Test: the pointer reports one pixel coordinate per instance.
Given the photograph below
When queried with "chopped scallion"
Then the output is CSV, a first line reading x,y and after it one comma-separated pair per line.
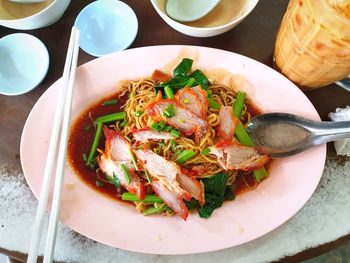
x,y
154,126
173,144
186,101
175,133
206,151
85,157
99,183
126,173
161,125
168,128
132,94
184,156
169,111
110,102
138,113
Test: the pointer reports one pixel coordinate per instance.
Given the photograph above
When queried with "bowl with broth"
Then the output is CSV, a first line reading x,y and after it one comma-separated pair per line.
x,y
225,16
31,16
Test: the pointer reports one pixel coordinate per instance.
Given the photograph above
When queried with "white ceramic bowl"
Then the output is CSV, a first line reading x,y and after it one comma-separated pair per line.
x,y
45,17
106,26
24,63
221,11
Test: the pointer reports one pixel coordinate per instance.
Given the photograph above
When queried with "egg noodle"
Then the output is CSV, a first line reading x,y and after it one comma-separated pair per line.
x,y
141,93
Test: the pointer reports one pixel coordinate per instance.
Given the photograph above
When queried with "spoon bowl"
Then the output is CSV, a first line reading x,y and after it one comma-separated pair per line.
x,y
282,134
189,10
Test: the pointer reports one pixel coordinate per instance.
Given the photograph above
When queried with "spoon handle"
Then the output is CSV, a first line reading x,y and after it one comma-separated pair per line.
x,y
330,131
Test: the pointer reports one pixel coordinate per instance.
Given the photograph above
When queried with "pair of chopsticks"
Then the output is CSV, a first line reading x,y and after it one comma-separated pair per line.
x,y
60,127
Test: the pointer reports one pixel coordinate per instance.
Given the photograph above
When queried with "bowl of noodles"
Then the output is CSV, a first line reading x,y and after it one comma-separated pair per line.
x,y
158,147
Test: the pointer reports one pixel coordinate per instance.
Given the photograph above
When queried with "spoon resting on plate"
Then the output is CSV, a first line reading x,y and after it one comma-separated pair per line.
x,y
282,134
189,10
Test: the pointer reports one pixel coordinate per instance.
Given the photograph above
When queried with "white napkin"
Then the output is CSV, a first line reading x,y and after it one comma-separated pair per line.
x,y
342,147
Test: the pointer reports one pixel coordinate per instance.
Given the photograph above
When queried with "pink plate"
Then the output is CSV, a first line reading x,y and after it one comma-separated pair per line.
x,y
291,183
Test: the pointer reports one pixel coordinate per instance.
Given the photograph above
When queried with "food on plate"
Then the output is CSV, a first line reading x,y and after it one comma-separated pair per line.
x,y
169,144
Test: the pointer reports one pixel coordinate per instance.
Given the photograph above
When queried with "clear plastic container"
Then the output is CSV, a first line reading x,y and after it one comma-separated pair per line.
x,y
313,42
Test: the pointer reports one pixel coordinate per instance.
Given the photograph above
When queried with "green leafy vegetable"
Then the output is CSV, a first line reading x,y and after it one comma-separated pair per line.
x,y
154,210
168,92
213,104
260,174
185,156
111,117
183,68
214,194
90,161
190,82
242,135
110,102
200,78
148,198
123,123
239,104
182,78
192,204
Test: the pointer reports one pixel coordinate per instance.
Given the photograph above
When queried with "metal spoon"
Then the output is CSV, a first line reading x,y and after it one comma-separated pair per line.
x,y
282,134
189,10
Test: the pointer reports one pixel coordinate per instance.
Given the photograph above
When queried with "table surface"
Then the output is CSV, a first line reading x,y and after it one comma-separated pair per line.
x,y
254,38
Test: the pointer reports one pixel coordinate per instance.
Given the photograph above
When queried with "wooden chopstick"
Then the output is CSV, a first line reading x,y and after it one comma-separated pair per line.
x,y
59,126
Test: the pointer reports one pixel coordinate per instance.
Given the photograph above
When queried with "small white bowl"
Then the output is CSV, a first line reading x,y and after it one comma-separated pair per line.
x,y
220,12
44,17
24,63
106,26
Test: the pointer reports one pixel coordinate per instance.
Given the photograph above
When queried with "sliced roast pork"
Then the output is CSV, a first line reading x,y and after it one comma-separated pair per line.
x,y
228,122
117,152
234,156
